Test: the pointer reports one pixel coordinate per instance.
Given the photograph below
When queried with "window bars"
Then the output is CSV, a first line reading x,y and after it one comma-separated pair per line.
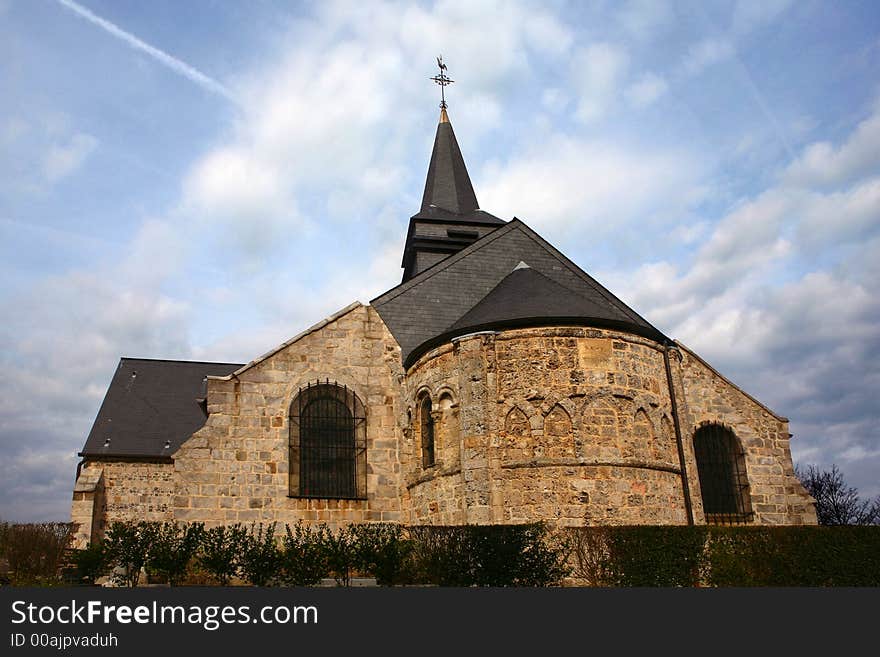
x,y
427,433
328,443
722,472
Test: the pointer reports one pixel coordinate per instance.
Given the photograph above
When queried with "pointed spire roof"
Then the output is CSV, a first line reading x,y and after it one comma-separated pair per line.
x,y
448,186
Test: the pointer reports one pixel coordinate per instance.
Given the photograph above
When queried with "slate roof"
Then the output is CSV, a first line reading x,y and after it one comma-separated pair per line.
x,y
525,295
448,185
449,218
431,307
150,403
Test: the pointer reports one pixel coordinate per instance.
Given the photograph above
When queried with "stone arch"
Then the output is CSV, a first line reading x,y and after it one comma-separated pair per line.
x,y
516,436
422,392
664,447
448,394
447,435
566,403
558,437
327,443
638,443
721,468
600,429
425,428
324,376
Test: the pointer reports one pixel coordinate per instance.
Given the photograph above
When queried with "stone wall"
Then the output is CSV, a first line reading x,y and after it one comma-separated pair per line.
x,y
776,495
111,490
235,469
571,425
567,424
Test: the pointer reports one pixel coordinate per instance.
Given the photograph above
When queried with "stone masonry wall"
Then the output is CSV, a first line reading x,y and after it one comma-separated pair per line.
x,y
107,491
777,497
571,425
235,469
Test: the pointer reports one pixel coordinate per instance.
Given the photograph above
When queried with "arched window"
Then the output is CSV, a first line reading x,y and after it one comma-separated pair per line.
x,y
722,470
328,443
426,425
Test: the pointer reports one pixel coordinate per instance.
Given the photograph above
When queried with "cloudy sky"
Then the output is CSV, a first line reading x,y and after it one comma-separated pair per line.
x,y
204,179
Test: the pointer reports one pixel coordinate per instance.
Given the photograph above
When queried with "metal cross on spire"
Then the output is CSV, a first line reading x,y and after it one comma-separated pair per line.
x,y
442,79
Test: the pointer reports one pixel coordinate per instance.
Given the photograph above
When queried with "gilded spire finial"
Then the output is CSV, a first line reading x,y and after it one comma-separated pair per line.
x,y
442,79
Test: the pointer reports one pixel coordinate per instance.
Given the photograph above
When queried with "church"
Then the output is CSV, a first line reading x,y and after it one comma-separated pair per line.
x,y
497,383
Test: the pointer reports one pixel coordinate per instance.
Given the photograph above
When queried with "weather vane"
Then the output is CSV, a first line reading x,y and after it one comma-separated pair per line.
x,y
442,79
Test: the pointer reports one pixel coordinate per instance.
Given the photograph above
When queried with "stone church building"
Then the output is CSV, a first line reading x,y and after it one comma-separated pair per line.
x,y
498,383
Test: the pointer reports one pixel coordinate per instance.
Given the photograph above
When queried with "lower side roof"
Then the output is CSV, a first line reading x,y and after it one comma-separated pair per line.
x,y
151,407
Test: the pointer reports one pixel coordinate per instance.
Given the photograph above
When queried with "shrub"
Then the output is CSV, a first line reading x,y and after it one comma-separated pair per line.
x,y
4,537
496,555
655,555
128,545
589,554
542,558
303,558
34,551
220,551
91,563
173,548
260,558
382,550
741,556
794,556
439,556
727,556
341,553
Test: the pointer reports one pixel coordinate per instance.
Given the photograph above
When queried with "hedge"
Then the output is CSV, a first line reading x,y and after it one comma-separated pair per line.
x,y
726,556
794,556
496,555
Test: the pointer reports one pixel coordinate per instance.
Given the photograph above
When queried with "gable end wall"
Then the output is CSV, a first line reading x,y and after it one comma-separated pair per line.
x,y
776,495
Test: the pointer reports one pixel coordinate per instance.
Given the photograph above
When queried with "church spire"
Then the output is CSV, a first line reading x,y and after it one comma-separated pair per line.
x,y
450,218
448,186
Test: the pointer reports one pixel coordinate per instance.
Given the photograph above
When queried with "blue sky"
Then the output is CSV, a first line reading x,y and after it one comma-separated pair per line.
x,y
203,180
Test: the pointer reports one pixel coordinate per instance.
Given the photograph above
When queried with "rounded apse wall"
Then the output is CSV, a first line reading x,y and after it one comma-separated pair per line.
x,y
564,424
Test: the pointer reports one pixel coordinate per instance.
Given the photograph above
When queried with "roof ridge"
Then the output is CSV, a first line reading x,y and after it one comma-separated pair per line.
x,y
588,278
175,360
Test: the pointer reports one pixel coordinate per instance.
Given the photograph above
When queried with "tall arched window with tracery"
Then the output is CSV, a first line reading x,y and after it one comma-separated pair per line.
x,y
426,431
721,466
328,443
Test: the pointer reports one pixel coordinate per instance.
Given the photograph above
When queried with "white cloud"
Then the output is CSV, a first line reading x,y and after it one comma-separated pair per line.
x,y
554,99
841,217
597,72
64,159
235,183
643,18
821,164
647,90
312,142
706,53
589,185
62,342
689,233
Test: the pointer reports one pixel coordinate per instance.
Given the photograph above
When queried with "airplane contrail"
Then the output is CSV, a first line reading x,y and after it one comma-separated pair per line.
x,y
179,67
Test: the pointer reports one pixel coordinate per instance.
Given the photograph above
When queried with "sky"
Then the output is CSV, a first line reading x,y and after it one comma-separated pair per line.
x,y
204,179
